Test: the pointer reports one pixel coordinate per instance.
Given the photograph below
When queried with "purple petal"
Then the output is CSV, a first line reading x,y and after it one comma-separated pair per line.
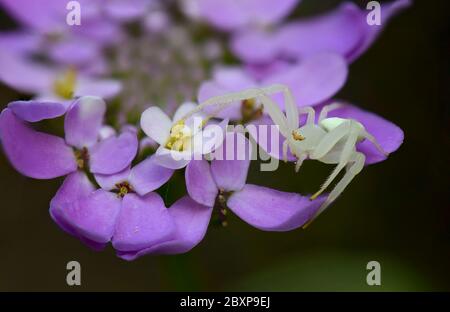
x,y
371,33
143,222
45,15
226,80
75,51
104,88
314,80
230,15
34,111
388,135
191,221
148,176
271,210
125,11
230,169
32,153
93,216
255,45
113,154
76,185
84,121
20,42
24,75
200,183
339,31
108,181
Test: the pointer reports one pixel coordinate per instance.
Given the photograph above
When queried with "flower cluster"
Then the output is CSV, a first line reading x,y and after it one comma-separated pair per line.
x,y
145,57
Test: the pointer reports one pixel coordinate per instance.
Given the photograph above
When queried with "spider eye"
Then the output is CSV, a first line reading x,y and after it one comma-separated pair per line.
x,y
297,136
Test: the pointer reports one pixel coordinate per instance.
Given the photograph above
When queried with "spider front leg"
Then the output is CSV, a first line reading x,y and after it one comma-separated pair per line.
x,y
300,160
346,154
358,160
326,109
372,139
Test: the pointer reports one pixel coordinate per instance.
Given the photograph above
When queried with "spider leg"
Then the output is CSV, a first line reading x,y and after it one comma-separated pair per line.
x,y
291,108
277,116
330,140
285,149
328,108
300,160
223,100
311,114
344,158
374,141
358,160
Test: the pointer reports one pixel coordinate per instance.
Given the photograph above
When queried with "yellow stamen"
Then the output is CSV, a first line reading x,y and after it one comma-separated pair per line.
x,y
180,137
64,86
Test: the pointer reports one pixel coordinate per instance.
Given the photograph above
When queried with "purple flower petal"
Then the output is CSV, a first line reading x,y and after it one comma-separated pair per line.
x,y
45,15
271,210
226,80
314,80
230,173
75,51
92,217
108,181
125,11
20,42
32,153
388,135
200,183
230,15
25,75
148,176
191,221
76,185
255,45
84,121
104,88
34,111
113,154
339,31
371,33
143,222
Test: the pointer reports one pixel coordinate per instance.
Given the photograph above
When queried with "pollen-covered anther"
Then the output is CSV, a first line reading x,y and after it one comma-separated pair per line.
x,y
180,137
82,158
64,86
297,136
123,189
250,110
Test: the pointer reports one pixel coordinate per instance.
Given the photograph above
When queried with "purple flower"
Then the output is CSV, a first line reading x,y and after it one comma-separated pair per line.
x,y
344,30
312,82
51,83
223,183
44,156
127,213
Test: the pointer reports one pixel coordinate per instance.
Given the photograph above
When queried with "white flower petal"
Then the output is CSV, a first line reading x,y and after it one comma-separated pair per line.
x,y
156,124
172,159
183,110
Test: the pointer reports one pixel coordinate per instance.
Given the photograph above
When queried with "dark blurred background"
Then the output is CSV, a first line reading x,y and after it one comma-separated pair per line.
x,y
396,212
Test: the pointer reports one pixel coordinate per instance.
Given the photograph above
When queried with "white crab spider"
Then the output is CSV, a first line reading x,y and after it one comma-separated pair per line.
x,y
330,140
